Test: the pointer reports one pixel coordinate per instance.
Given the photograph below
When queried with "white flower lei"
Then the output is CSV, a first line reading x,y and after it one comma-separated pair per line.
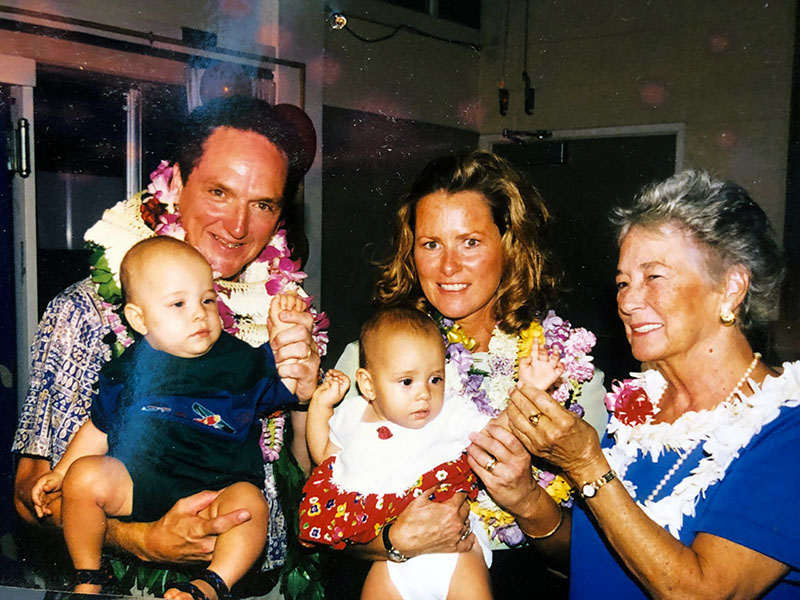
x,y
722,431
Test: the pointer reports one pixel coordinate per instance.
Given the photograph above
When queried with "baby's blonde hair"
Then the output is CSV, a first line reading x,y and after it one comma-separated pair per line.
x,y
136,259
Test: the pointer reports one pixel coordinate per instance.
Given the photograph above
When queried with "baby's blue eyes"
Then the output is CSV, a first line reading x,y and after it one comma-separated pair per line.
x,y
178,304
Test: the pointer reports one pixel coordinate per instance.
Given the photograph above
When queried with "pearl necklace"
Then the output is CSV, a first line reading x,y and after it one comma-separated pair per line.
x,y
682,458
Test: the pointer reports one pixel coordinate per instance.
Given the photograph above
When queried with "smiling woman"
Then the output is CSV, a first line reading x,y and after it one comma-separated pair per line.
x,y
469,250
459,257
653,280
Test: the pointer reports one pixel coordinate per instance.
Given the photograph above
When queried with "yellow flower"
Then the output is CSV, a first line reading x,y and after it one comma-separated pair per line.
x,y
497,516
559,489
527,337
455,335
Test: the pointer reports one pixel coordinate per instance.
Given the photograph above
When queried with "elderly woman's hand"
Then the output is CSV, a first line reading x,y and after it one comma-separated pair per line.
x,y
553,433
296,343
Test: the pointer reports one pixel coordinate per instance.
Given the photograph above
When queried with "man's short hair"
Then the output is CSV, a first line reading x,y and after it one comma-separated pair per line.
x,y
286,126
398,318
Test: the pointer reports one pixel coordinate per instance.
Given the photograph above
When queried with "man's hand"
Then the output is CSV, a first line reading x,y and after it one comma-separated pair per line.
x,y
182,535
296,343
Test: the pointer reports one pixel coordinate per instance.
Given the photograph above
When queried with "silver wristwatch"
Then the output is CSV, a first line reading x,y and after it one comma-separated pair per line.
x,y
394,554
589,489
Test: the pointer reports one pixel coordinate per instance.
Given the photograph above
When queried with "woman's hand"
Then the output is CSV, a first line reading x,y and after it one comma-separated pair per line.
x,y
504,466
296,342
509,481
182,535
427,527
555,434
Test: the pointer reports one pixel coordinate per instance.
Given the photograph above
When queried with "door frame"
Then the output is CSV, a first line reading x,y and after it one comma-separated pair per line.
x,y
20,74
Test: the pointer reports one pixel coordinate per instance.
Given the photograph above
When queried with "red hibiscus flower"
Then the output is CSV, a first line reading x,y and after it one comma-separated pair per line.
x,y
384,432
631,405
151,211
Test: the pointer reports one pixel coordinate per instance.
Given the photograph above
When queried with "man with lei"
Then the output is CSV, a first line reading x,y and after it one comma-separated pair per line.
x,y
242,161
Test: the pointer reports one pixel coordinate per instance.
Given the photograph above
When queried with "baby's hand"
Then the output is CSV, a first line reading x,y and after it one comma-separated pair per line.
x,y
332,390
47,483
541,369
280,303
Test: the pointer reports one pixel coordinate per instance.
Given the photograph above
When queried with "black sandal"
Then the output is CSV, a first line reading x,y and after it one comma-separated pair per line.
x,y
101,576
211,578
189,588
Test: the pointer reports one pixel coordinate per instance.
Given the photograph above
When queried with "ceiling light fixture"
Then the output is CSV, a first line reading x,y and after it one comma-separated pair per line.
x,y
337,21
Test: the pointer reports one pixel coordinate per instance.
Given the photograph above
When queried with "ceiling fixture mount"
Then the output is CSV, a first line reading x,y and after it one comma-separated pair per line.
x,y
337,21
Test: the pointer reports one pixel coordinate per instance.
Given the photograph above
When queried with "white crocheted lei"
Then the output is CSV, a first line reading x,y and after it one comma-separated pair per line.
x,y
122,226
722,431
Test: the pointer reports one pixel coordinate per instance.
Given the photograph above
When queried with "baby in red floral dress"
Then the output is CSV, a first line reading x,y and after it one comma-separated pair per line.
x,y
401,438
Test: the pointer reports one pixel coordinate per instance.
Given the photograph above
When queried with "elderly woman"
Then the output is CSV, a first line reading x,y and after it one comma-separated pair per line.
x,y
469,250
694,493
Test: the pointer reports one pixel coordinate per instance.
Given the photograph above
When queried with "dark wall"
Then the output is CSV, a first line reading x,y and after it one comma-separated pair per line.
x,y
368,162
581,187
787,330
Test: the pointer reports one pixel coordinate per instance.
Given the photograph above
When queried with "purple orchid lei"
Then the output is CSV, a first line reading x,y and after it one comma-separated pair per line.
x,y
488,389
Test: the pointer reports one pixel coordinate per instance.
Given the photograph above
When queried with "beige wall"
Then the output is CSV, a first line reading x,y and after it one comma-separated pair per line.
x,y
407,76
725,67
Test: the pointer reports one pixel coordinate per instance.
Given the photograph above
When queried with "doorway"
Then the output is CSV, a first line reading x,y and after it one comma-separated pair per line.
x,y
582,179
8,355
82,145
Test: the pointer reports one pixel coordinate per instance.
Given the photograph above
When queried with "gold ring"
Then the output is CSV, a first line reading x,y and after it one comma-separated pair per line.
x,y
534,419
491,464
307,355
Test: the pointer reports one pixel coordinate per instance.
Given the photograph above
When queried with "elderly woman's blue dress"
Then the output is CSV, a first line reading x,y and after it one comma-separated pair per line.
x,y
740,481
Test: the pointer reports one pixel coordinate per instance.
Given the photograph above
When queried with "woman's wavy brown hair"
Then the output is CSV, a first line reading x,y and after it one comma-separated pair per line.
x,y
529,281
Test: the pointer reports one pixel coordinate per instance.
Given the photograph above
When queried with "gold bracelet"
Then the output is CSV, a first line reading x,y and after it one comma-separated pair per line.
x,y
549,533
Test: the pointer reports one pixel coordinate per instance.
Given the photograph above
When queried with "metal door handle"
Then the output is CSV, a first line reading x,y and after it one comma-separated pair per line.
x,y
23,148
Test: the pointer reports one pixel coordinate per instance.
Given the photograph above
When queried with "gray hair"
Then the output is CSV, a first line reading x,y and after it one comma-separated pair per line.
x,y
724,219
